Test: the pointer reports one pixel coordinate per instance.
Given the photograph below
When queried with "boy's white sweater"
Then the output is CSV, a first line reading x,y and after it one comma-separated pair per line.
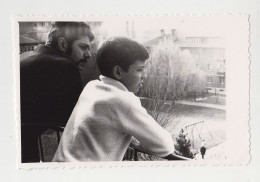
x,y
103,122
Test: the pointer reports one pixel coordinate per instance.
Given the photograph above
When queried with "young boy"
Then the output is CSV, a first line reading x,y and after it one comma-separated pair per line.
x,y
108,114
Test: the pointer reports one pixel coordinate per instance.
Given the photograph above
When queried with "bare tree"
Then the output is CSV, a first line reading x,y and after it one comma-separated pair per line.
x,y
169,71
195,83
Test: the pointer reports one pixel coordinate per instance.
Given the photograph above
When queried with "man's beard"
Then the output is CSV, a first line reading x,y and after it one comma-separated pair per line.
x,y
82,62
68,52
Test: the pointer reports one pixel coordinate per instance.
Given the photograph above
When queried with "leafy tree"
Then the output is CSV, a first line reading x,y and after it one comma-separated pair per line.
x,y
183,145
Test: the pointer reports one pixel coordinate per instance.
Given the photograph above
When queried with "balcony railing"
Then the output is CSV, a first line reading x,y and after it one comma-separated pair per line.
x,y
130,155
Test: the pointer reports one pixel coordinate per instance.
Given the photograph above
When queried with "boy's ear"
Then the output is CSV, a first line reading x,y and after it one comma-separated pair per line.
x,y
62,44
117,72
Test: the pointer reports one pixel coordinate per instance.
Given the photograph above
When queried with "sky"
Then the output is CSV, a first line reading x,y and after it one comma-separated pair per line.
x,y
185,26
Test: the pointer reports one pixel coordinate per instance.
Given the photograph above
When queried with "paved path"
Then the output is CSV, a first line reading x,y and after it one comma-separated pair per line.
x,y
218,152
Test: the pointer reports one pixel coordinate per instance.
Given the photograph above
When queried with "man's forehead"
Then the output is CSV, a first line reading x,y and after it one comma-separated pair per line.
x,y
79,33
83,40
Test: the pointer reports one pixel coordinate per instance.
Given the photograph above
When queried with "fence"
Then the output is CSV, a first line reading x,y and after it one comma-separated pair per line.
x,y
130,155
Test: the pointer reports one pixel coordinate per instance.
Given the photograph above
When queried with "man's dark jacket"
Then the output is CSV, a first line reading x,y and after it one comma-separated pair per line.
x,y
50,86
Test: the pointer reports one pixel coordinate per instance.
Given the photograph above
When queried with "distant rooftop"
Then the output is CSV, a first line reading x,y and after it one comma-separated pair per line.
x,y
27,40
152,42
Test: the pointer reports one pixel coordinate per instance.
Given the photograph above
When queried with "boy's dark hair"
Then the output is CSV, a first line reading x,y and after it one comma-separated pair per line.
x,y
120,51
71,31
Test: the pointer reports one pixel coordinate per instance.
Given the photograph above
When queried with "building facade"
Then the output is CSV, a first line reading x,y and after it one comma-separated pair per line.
x,y
209,55
207,52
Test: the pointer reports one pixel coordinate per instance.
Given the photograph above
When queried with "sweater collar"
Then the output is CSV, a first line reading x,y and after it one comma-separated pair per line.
x,y
113,82
48,49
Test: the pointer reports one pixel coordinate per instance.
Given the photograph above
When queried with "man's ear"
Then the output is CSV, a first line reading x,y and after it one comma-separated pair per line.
x,y
117,72
62,44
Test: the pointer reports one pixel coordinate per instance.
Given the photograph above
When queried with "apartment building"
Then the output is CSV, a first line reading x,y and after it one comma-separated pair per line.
x,y
209,55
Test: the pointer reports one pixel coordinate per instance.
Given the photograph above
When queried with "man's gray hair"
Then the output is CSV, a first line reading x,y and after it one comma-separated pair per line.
x,y
71,31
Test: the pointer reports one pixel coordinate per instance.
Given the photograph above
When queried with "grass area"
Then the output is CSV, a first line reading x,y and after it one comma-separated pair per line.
x,y
178,116
198,112
211,130
214,100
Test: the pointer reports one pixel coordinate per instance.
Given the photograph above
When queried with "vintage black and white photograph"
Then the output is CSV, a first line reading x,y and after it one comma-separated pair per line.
x,y
104,89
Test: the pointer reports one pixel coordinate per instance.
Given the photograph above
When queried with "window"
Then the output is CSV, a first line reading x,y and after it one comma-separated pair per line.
x,y
197,53
222,80
209,79
221,68
21,49
31,48
221,54
210,53
196,40
209,67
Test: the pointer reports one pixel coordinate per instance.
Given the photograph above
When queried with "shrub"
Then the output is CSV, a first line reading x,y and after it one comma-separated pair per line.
x,y
183,145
